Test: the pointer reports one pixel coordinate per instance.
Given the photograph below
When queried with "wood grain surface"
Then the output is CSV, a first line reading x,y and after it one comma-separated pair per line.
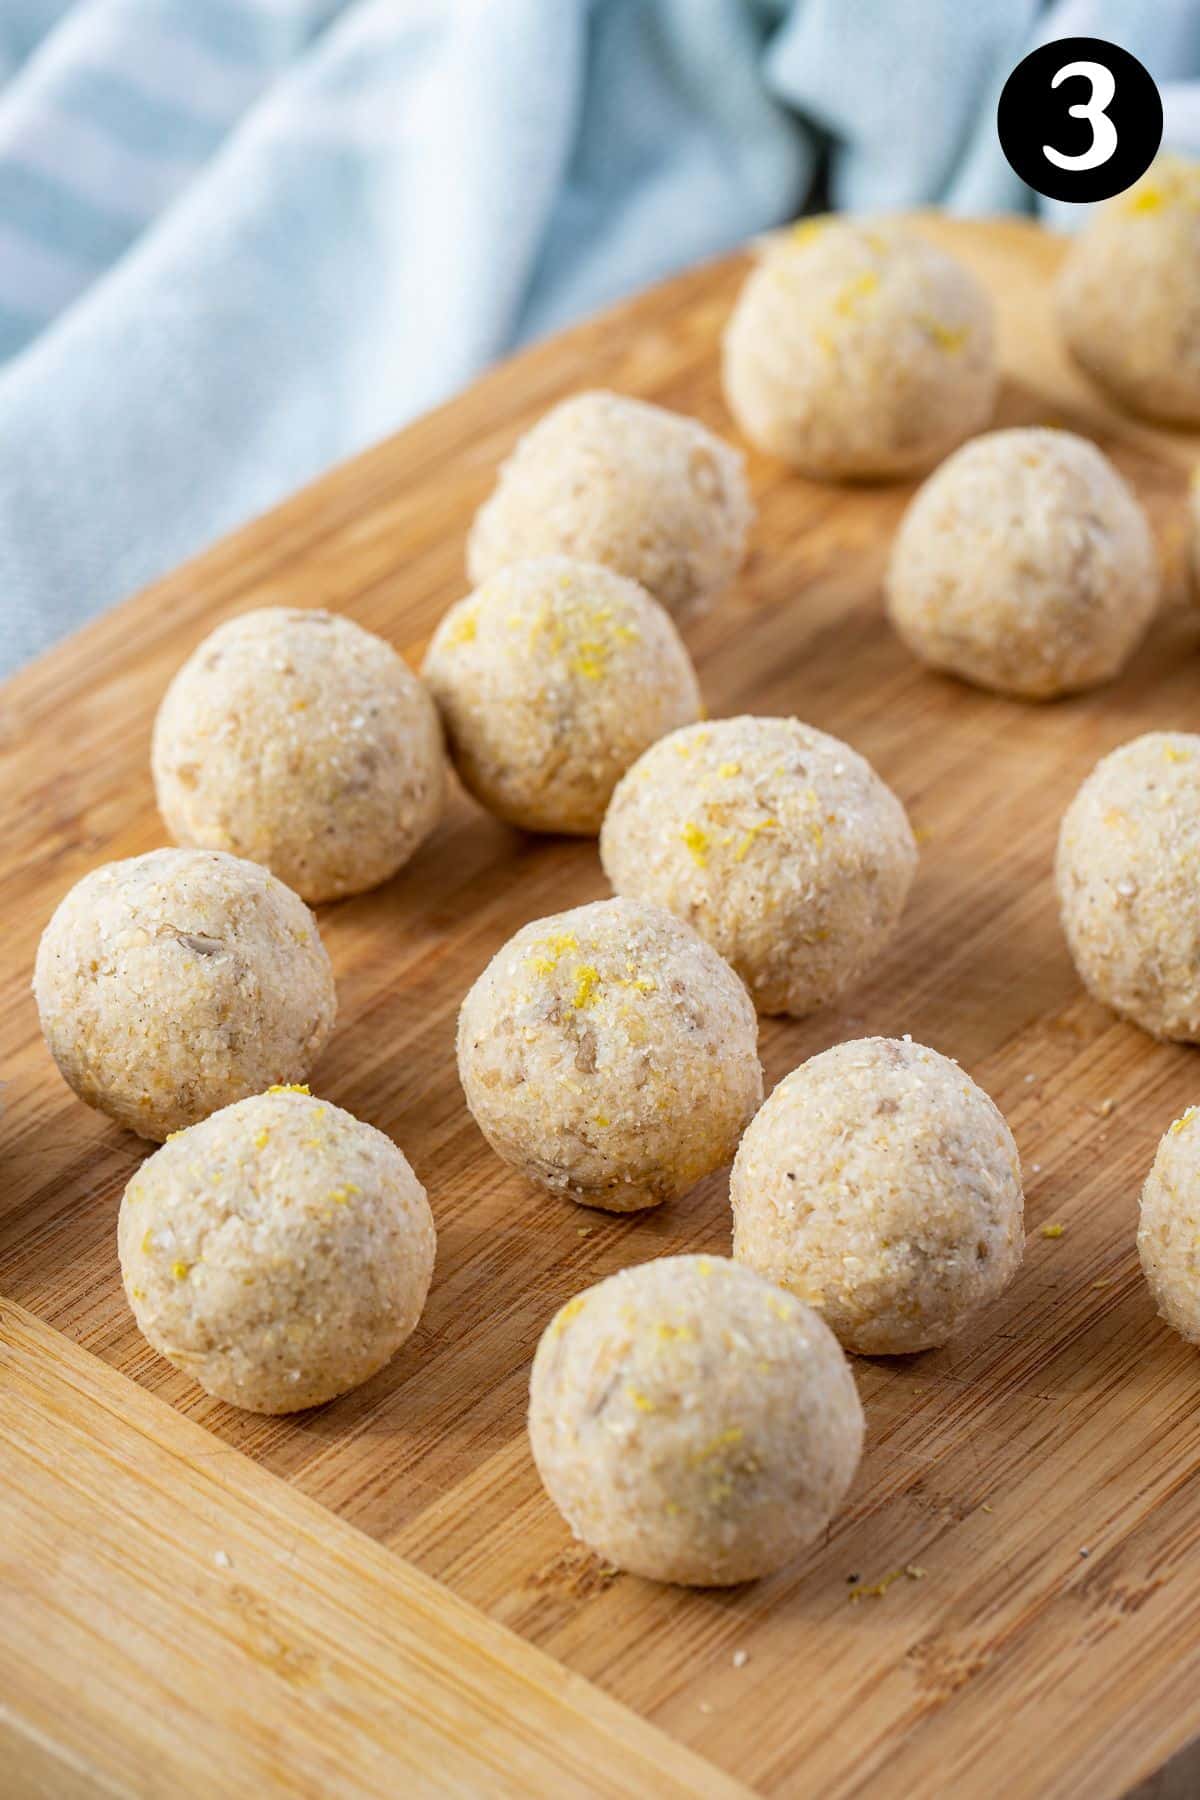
x,y
1040,1473
178,1621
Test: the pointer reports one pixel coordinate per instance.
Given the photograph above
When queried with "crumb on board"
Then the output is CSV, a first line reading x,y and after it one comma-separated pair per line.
x,y
877,1589
1107,1108
740,1658
986,1508
1052,1231
223,1559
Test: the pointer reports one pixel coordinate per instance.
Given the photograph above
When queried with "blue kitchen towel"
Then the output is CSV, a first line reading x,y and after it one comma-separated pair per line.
x,y
241,239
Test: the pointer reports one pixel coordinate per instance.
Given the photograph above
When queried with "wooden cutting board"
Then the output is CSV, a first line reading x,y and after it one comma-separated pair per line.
x,y
179,1619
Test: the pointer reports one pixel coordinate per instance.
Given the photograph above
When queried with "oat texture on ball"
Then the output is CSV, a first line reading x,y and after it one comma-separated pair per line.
x,y
1024,564
279,1253
1128,851
882,1186
1169,1226
616,481
303,742
857,349
552,678
173,983
779,844
1129,294
692,1422
610,1055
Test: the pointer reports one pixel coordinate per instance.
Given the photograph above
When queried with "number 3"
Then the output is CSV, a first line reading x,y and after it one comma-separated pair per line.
x,y
1104,132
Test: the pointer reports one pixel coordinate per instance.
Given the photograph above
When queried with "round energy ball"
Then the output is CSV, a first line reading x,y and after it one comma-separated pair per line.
x,y
1129,294
859,350
692,1423
305,743
279,1252
879,1184
1128,851
552,678
176,982
610,1055
1169,1227
616,481
1024,564
779,845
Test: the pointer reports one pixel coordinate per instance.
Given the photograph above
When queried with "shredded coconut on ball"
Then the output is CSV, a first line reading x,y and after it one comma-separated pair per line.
x,y
693,1423
611,480
1129,294
610,1055
857,349
1169,1226
1128,852
303,742
171,984
279,1253
882,1186
552,678
1024,564
779,844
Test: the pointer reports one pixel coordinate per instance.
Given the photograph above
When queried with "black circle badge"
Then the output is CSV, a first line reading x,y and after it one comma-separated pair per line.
x,y
1080,119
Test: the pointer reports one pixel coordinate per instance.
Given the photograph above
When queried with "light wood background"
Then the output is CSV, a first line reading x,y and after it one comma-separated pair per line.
x,y
1041,1472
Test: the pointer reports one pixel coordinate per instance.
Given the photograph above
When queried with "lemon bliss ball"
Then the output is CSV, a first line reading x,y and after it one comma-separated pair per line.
x,y
1024,564
693,1423
1129,294
610,1055
616,481
1128,852
552,678
1169,1226
174,983
305,743
880,1185
778,844
279,1253
859,350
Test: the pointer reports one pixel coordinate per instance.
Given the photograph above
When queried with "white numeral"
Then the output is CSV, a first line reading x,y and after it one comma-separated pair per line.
x,y
1104,132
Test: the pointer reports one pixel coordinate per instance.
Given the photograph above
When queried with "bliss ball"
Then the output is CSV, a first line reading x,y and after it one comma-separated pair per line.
x,y
880,1185
1169,1227
552,678
174,983
1128,852
779,845
1129,294
692,1423
305,743
1024,564
858,350
610,1055
279,1252
611,480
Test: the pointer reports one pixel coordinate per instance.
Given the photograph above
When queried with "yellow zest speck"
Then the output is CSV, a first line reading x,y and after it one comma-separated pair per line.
x,y
805,230
724,1440
697,842
1174,754
780,1308
554,949
570,1311
1181,1122
946,337
728,770
854,291
877,1589
1145,200
289,1087
602,1119
262,1140
587,981
744,848
138,1293
674,1334
179,1271
171,1136
640,1400
1053,1231
147,1243
463,630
